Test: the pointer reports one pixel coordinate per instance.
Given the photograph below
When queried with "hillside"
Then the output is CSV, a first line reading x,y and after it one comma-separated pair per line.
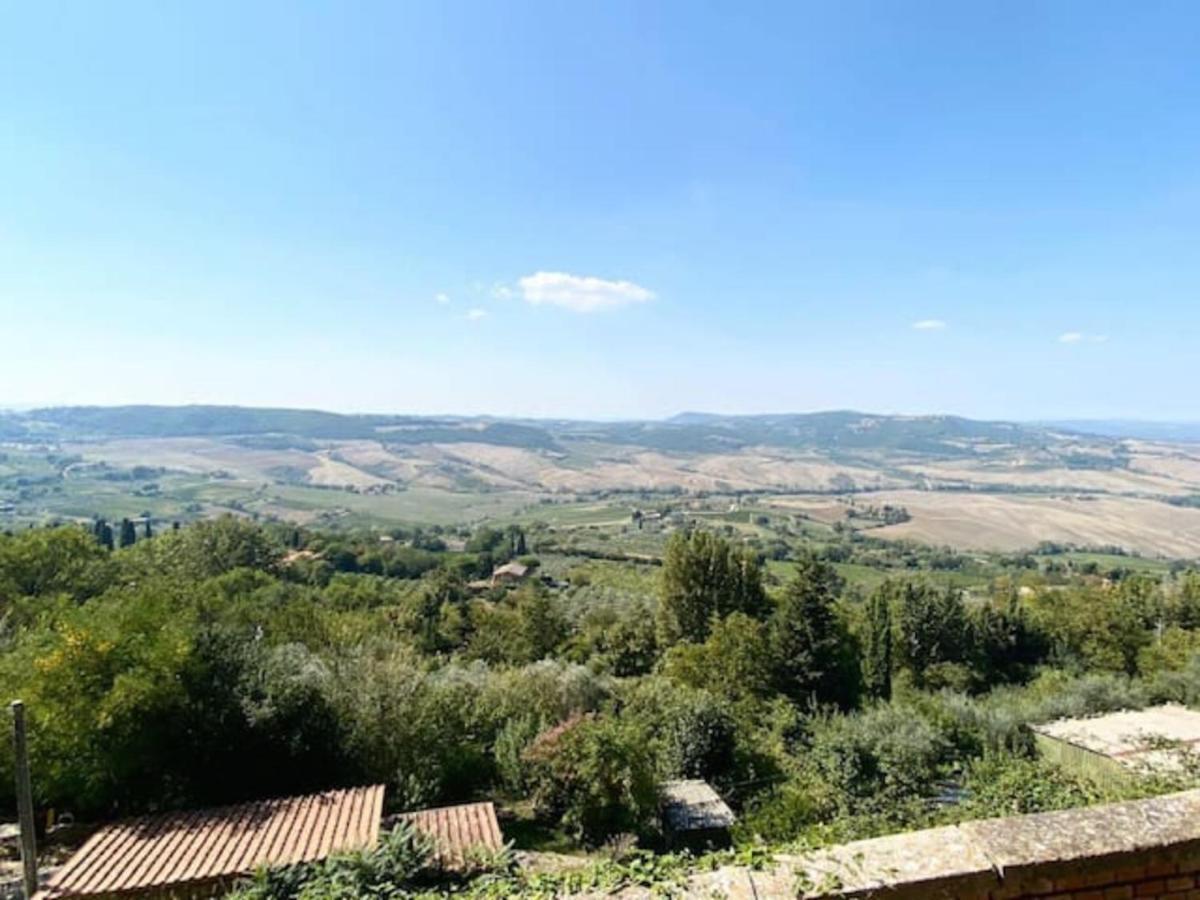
x,y
308,466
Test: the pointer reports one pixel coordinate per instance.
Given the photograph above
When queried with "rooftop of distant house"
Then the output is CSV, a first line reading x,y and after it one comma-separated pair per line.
x,y
515,569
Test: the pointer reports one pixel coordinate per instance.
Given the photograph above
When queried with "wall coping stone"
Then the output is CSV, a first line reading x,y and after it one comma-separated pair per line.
x,y
970,859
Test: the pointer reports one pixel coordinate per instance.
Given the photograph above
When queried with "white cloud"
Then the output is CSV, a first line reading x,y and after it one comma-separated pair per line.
x,y
442,298
579,293
930,325
1078,337
474,315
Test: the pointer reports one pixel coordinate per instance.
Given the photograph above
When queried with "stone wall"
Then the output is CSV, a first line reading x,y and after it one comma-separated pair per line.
x,y
1142,849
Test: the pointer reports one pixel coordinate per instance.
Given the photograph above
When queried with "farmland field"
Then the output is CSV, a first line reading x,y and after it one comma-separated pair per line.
x,y
933,480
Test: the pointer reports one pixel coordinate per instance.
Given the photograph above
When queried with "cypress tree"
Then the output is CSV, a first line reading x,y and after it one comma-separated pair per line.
x,y
877,644
805,635
128,533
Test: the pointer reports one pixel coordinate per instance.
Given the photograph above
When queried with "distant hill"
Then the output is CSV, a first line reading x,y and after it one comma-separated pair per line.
x,y
942,480
107,422
685,433
1132,428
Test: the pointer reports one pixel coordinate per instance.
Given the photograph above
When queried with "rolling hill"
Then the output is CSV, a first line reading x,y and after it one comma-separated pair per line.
x,y
966,482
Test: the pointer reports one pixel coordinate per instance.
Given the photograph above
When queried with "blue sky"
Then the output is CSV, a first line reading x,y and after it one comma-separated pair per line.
x,y
609,209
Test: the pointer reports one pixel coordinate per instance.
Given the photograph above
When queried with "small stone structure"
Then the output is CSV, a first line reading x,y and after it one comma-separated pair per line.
x,y
694,814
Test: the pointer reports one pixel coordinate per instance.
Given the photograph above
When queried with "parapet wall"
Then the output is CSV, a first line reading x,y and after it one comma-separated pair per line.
x,y
1142,849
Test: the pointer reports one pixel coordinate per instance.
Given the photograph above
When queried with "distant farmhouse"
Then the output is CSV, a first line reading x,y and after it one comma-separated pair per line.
x,y
508,574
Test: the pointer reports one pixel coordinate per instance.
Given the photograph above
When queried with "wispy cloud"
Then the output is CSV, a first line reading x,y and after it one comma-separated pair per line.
x,y
503,292
442,298
581,293
1079,337
930,325
474,315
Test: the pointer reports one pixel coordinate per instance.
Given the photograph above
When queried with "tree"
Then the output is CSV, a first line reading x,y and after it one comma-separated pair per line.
x,y
933,628
540,625
128,536
210,548
730,664
147,528
517,537
805,636
1186,606
694,732
877,644
1003,645
46,561
103,533
705,579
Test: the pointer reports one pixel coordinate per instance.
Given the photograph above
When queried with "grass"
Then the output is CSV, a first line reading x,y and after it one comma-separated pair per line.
x,y
523,830
1108,561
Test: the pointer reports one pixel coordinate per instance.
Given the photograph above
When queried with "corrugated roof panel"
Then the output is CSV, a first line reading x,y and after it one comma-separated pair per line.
x,y
456,830
152,852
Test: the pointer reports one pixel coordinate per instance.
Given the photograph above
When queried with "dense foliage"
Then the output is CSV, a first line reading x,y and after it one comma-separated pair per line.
x,y
234,660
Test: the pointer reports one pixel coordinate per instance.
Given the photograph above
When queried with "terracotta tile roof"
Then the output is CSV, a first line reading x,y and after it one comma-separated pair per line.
x,y
457,829
212,845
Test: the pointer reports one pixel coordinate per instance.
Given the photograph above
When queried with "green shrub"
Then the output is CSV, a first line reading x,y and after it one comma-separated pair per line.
x,y
593,774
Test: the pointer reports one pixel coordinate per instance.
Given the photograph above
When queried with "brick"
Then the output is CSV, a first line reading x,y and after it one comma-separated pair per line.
x,y
1131,873
1180,883
1124,892
1161,868
1150,888
1089,878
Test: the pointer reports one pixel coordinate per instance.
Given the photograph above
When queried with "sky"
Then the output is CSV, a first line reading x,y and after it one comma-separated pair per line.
x,y
603,209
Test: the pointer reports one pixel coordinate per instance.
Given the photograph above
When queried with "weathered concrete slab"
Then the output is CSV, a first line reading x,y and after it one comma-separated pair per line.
x,y
1130,849
938,862
1089,833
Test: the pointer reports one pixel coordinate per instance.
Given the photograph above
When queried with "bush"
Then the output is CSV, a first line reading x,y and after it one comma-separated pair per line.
x,y
1002,784
693,732
877,760
592,773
